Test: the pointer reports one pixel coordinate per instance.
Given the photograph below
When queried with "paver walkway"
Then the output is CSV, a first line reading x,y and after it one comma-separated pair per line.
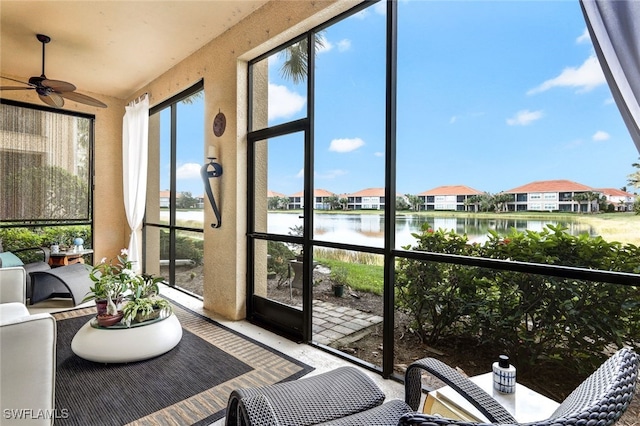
x,y
338,325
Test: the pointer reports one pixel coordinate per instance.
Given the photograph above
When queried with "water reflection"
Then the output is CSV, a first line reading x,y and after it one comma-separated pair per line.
x,y
368,229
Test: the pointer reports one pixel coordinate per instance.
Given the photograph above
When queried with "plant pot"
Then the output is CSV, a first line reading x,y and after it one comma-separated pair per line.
x,y
338,290
101,305
109,320
142,318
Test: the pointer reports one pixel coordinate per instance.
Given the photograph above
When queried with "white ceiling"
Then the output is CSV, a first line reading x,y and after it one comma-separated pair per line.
x,y
109,47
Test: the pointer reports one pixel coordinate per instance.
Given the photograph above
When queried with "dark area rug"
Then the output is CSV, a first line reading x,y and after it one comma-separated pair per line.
x,y
188,385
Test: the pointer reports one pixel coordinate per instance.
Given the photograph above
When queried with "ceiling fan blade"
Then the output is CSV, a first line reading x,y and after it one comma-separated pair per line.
x,y
16,88
53,99
84,99
17,81
58,85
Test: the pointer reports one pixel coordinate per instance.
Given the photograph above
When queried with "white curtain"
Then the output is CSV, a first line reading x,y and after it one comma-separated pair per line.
x,y
135,156
614,26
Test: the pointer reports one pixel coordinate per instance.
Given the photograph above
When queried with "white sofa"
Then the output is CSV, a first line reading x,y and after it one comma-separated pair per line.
x,y
13,285
27,357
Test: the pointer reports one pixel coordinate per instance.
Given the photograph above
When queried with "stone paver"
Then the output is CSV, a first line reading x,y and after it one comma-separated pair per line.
x,y
334,325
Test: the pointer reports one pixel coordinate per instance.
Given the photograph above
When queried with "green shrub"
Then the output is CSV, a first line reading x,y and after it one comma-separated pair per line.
x,y
531,316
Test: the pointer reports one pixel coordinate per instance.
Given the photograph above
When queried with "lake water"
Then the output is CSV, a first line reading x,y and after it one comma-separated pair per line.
x,y
368,229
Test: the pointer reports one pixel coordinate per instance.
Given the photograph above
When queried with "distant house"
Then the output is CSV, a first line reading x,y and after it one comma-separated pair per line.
x,y
165,199
553,195
274,200
366,199
448,197
320,196
621,201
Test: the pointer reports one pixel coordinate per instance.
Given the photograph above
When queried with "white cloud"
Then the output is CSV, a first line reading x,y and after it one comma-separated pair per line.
x,y
584,37
380,8
453,119
524,118
345,145
609,101
600,136
326,45
378,154
586,77
284,103
188,171
344,45
300,174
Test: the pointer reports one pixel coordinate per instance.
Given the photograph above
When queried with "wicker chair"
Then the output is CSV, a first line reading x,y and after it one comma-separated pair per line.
x,y
344,396
599,401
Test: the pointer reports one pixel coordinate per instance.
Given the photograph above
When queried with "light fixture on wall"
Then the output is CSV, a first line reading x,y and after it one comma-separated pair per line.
x,y
212,170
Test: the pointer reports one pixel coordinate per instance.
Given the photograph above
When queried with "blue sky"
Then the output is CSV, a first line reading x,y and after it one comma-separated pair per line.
x,y
491,94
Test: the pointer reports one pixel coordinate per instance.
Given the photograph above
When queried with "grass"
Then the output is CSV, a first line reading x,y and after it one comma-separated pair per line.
x,y
364,270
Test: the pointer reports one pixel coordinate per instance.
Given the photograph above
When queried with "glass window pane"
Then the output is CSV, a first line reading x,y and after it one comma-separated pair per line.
x,y
279,181
349,138
347,302
485,138
45,155
189,159
555,330
279,87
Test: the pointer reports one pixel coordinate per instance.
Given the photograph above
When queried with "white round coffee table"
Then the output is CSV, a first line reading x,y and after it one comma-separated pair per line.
x,y
121,344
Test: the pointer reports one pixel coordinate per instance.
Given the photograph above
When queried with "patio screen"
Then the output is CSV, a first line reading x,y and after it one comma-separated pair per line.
x,y
44,165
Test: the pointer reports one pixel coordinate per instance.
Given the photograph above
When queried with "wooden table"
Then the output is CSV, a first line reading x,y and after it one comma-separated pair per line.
x,y
525,405
69,257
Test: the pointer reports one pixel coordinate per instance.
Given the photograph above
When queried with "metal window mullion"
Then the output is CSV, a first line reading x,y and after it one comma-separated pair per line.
x,y
390,190
307,294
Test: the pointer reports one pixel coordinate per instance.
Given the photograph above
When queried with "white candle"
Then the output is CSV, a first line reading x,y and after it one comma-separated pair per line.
x,y
212,152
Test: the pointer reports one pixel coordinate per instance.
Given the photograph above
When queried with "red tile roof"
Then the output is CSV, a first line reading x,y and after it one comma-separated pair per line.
x,y
551,186
369,192
615,192
316,193
452,190
271,194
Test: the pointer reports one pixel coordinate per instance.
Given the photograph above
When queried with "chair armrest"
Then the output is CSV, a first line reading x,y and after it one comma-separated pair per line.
x,y
488,406
45,253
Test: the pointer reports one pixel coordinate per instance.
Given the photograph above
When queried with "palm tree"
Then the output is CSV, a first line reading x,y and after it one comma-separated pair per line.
x,y
579,198
296,59
634,178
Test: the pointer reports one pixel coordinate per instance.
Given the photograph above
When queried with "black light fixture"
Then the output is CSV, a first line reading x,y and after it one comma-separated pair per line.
x,y
208,171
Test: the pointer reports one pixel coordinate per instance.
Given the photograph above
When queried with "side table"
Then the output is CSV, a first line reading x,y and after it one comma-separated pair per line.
x,y
525,405
65,258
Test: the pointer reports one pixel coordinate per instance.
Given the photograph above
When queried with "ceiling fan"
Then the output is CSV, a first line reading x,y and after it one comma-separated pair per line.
x,y
52,92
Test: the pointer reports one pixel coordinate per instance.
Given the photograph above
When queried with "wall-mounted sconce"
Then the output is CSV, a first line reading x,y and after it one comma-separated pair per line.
x,y
209,171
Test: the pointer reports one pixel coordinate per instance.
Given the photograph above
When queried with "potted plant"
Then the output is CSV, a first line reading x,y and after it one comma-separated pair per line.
x,y
143,302
110,281
115,281
338,279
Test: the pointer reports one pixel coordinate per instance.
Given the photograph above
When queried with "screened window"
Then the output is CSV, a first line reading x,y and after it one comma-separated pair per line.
x,y
44,165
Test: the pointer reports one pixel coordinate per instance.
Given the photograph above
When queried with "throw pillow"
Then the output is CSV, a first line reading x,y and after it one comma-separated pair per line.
x,y
8,259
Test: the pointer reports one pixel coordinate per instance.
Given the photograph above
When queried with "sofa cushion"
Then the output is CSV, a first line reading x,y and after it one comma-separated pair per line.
x,y
8,260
